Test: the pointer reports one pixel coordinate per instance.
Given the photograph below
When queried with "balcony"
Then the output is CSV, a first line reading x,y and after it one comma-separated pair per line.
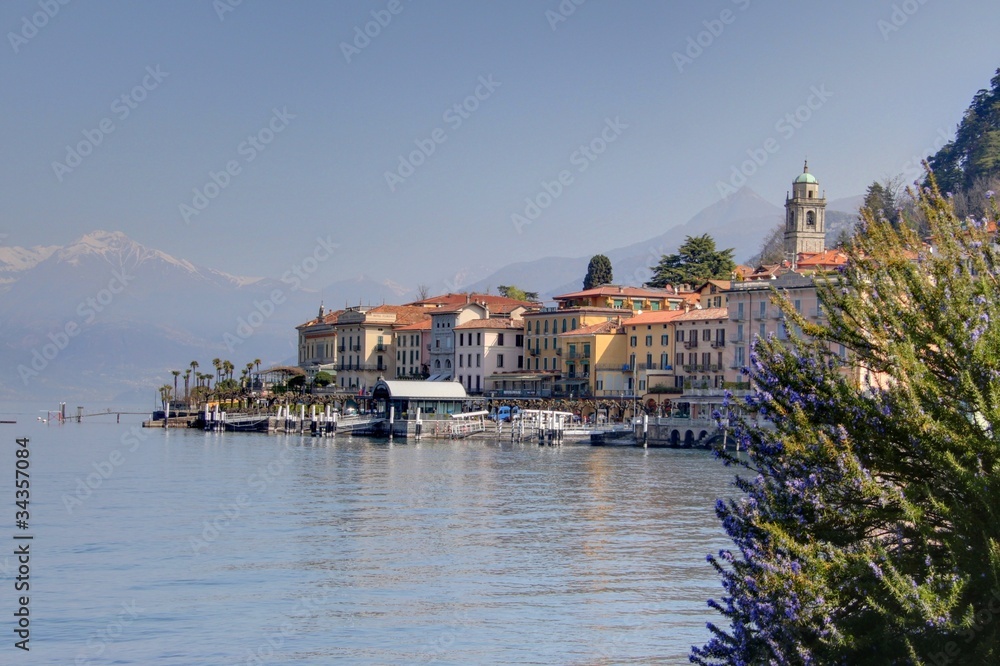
x,y
579,355
342,348
738,316
691,344
355,348
533,352
718,343
558,351
380,347
817,313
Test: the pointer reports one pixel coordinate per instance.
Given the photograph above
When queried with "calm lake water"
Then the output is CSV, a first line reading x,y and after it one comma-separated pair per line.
x,y
185,547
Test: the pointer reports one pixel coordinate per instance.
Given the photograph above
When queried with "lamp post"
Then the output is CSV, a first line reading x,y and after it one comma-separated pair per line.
x,y
724,422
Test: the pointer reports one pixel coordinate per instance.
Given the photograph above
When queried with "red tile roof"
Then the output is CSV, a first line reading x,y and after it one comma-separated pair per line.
x,y
603,328
422,325
493,301
611,290
707,313
657,317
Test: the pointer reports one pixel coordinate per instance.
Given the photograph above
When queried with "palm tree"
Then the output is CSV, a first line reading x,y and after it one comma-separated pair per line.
x,y
187,377
194,369
165,395
228,367
176,374
217,362
247,375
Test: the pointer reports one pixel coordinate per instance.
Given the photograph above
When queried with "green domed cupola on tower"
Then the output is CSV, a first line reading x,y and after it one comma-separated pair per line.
x,y
805,217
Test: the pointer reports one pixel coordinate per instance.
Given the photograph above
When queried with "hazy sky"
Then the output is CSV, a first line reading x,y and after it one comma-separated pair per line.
x,y
309,115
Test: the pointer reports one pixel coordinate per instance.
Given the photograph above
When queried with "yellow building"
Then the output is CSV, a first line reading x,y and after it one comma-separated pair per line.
x,y
318,343
651,349
546,368
366,349
593,357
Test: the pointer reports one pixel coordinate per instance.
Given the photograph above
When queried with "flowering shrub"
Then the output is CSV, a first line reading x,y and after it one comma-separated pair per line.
x,y
867,529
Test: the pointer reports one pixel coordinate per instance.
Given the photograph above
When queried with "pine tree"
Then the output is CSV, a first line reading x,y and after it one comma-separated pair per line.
x,y
598,272
868,530
975,151
696,260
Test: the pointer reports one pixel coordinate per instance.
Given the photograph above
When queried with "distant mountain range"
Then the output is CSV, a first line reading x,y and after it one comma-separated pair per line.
x,y
106,318
740,221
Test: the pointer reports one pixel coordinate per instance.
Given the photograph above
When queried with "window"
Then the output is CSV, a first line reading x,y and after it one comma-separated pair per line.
x,y
739,310
545,363
706,335
479,338
739,332
649,362
649,340
763,332
546,326
763,309
518,340
573,323
564,326
500,339
632,341
680,335
447,363
798,305
739,357
469,360
478,359
679,359
664,361
520,362
461,339
664,340
499,360
437,364
720,336
460,361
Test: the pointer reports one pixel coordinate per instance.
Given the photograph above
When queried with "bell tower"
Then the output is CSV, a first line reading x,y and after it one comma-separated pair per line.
x,y
805,217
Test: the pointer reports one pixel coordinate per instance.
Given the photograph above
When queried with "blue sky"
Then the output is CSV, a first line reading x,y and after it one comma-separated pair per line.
x,y
885,81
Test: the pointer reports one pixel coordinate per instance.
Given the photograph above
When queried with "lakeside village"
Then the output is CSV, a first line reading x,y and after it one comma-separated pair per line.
x,y
644,365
